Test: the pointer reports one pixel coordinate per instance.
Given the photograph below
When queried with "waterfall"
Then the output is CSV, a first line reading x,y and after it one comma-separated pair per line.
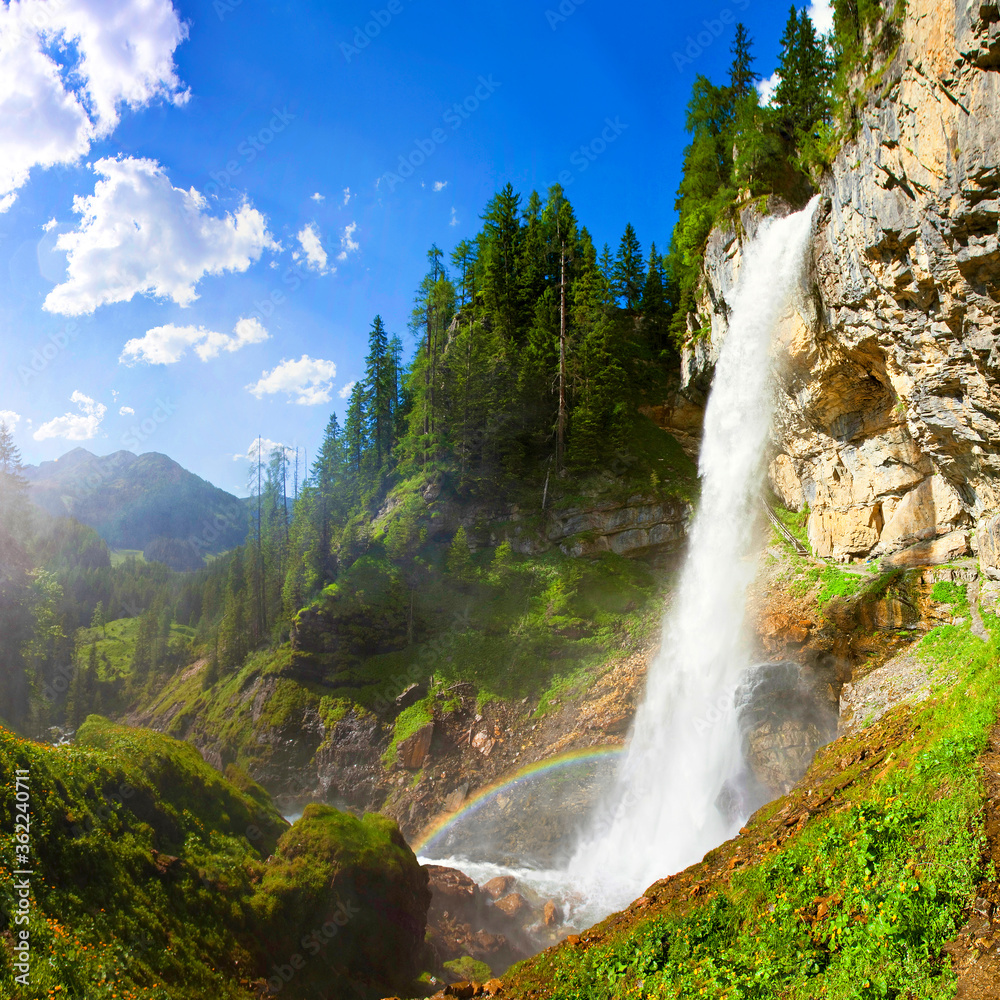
x,y
677,794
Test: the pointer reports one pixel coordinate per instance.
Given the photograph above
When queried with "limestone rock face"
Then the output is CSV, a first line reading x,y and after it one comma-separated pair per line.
x,y
888,412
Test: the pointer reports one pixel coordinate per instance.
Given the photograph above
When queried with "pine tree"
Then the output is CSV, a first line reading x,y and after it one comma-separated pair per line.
x,y
98,619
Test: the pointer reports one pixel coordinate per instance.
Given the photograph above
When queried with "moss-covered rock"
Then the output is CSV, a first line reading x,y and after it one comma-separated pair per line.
x,y
343,901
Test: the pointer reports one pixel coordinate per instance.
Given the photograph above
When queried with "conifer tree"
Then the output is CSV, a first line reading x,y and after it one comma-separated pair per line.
x,y
742,75
628,269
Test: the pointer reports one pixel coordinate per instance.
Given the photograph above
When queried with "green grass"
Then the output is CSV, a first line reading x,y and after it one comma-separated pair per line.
x,y
116,645
955,594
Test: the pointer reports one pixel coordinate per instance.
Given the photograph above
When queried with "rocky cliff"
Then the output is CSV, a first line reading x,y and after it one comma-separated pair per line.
x,y
888,417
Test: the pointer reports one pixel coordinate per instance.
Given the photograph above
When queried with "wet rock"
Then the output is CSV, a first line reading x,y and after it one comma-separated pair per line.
x,y
784,717
513,904
452,891
499,886
552,914
412,752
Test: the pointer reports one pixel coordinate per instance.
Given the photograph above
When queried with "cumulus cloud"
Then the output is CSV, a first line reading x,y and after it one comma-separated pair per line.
x,y
308,380
821,14
167,344
312,249
347,195
67,70
440,185
347,390
766,88
318,197
140,234
347,242
10,418
126,411
80,426
454,217
47,227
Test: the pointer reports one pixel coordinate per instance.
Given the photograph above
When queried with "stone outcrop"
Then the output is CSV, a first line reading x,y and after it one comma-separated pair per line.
x,y
636,526
888,415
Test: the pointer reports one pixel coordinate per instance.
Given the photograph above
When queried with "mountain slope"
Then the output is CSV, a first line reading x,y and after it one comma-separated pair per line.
x,y
135,500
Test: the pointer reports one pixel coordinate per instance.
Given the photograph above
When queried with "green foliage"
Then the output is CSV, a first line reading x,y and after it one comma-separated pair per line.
x,y
106,921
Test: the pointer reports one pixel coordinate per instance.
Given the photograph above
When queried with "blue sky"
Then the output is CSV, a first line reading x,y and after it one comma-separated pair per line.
x,y
205,204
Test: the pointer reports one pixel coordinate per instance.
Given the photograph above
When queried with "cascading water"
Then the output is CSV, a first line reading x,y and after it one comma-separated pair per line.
x,y
676,795
678,791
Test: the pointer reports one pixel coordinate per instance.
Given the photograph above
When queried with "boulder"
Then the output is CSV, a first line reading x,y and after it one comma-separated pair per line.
x,y
513,904
499,886
358,875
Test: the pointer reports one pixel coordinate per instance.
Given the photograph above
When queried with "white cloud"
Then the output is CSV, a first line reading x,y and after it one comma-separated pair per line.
x,y
309,380
454,217
312,249
80,426
347,243
263,447
347,195
166,345
821,14
440,185
347,390
140,234
67,69
318,197
126,411
767,87
47,227
10,418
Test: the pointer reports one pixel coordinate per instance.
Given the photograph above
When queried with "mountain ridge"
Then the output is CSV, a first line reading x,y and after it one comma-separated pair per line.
x,y
133,501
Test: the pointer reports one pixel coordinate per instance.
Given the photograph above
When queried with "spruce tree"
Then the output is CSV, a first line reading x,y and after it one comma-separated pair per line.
x,y
742,76
628,269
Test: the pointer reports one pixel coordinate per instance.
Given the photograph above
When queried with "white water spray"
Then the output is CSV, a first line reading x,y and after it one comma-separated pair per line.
x,y
675,797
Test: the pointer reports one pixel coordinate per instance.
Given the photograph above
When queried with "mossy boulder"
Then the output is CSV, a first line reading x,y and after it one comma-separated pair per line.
x,y
343,901
169,778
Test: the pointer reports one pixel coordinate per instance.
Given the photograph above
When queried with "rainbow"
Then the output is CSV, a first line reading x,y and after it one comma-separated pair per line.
x,y
485,794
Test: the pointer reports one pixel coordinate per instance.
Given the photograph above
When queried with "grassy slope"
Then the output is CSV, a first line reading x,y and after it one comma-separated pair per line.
x,y
848,887
106,922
